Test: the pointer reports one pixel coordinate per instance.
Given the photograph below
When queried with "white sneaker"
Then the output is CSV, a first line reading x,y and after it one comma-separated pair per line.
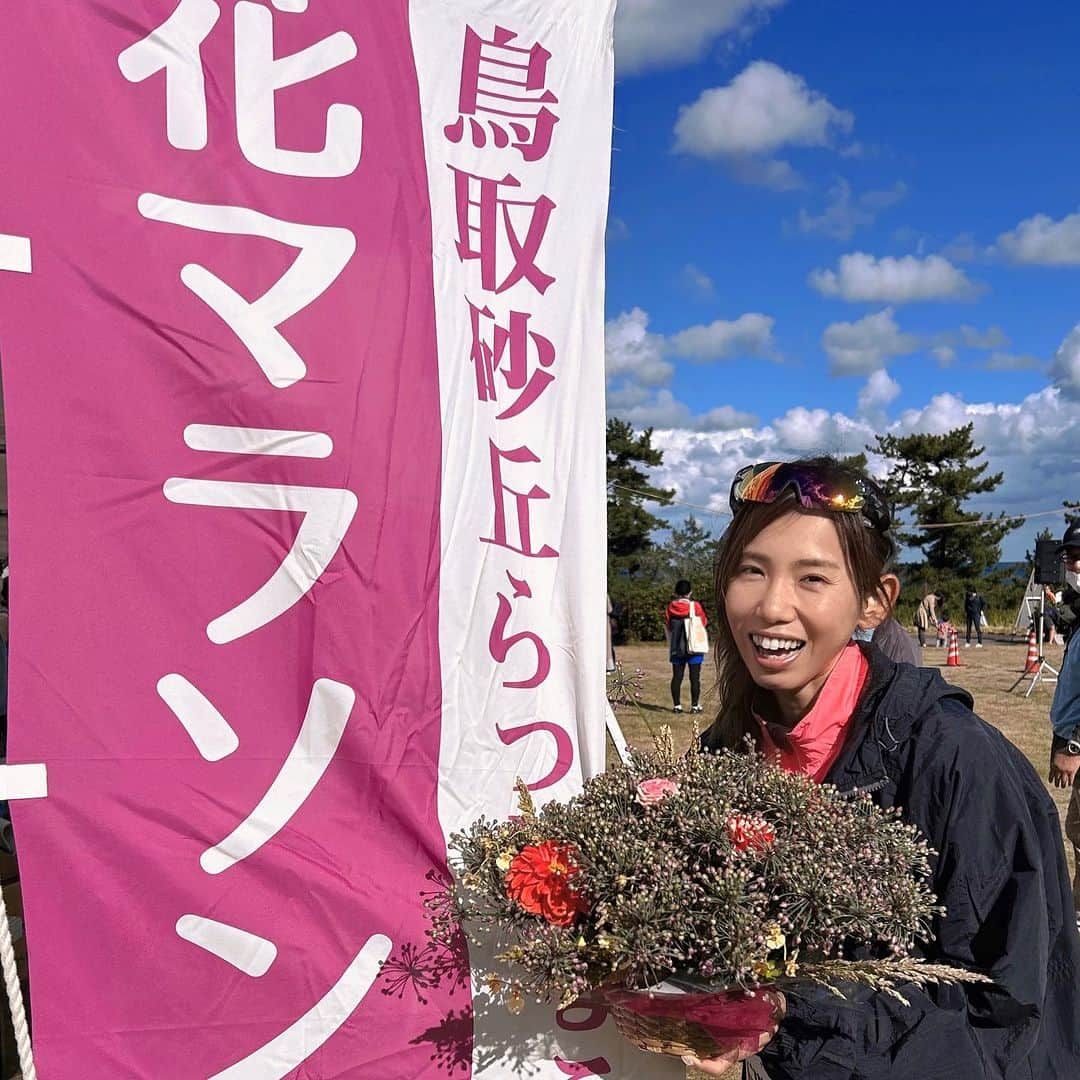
x,y
979,646
678,708
967,644
697,708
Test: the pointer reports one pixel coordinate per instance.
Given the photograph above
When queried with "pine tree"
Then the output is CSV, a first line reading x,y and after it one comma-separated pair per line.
x,y
932,476
629,523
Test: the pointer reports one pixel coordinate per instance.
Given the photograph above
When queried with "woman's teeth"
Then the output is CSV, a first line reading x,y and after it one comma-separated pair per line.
x,y
776,646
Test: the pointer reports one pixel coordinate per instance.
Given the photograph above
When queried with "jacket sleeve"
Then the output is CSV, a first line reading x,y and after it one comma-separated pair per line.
x,y
991,878
701,613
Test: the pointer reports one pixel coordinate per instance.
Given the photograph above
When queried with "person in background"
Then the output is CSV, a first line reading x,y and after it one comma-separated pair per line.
x,y
675,616
611,661
926,615
1050,615
1065,722
944,628
974,606
895,642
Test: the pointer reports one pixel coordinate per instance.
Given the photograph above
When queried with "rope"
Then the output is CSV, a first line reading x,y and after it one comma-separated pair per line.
x,y
14,995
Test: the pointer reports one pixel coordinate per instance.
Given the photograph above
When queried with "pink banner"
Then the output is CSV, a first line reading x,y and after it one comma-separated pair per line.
x,y
220,371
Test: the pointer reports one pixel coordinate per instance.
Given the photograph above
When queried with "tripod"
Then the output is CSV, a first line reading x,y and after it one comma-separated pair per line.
x,y
1035,605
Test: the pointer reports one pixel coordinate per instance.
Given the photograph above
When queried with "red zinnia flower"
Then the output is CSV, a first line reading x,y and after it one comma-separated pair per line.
x,y
749,831
539,880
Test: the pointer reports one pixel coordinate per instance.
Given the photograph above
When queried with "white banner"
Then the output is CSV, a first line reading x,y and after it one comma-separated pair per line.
x,y
516,102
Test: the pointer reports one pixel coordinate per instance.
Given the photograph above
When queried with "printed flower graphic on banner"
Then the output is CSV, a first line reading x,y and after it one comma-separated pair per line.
x,y
539,881
656,790
749,832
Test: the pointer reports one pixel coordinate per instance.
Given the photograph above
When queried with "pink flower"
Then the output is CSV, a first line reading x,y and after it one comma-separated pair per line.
x,y
651,792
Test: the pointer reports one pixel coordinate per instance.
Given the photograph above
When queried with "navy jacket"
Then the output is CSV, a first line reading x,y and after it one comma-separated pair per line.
x,y
1000,872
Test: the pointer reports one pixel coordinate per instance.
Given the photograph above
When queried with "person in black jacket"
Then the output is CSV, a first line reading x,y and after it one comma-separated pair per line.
x,y
974,607
804,562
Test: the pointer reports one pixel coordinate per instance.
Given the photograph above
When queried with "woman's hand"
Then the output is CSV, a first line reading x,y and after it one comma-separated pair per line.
x,y
717,1066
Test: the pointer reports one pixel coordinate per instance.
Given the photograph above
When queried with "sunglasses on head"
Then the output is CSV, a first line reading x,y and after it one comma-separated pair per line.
x,y
816,487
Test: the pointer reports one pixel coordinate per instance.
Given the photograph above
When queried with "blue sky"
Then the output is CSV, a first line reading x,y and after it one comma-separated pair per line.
x,y
836,218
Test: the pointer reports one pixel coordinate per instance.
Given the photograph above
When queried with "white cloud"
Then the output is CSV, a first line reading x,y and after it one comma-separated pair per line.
x,y
763,109
638,377
993,337
1065,370
633,352
945,355
892,280
1035,443
665,33
660,408
1041,241
861,347
1003,361
748,335
844,212
726,418
880,390
697,280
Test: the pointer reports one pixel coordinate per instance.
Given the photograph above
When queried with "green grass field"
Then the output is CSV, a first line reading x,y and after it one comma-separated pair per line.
x,y
987,673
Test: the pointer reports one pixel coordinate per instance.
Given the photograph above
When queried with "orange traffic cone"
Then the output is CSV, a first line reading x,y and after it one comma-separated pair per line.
x,y
953,659
1032,664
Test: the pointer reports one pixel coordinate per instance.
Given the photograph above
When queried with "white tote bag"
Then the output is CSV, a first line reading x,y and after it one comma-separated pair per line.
x,y
697,637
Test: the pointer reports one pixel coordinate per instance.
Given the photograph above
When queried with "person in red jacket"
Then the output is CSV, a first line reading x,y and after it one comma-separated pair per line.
x,y
679,646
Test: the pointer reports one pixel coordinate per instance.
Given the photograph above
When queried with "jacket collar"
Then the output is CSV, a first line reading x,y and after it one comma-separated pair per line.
x,y
894,697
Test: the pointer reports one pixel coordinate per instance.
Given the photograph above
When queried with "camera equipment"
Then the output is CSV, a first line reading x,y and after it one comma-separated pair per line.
x,y
1049,563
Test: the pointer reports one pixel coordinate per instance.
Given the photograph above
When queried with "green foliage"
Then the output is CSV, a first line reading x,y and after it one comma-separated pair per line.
x,y
641,598
932,476
629,524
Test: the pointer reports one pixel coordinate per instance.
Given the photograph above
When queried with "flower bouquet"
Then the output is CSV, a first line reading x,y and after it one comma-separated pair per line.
x,y
715,875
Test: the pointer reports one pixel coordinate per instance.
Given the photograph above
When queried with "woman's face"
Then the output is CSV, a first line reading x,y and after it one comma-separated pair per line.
x,y
792,607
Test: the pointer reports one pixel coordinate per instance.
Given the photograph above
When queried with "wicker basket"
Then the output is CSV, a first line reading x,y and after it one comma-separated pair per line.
x,y
664,1034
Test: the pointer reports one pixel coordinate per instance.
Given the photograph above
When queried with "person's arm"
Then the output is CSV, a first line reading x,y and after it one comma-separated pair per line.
x,y
1065,721
992,880
701,613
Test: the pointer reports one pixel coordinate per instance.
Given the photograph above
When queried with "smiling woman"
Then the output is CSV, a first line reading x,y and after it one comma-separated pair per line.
x,y
804,564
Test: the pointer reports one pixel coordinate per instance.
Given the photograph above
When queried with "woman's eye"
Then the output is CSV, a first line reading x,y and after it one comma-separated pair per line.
x,y
814,579
748,570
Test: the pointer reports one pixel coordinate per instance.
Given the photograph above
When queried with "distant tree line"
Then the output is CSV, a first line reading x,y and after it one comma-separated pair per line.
x,y
930,480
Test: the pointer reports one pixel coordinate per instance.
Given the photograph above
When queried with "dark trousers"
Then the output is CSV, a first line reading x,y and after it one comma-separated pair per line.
x,y
678,667
977,624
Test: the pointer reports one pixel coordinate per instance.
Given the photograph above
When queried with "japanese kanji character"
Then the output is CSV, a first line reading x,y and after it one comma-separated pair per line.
x,y
496,224
328,513
175,48
324,252
512,87
499,645
259,75
521,499
509,343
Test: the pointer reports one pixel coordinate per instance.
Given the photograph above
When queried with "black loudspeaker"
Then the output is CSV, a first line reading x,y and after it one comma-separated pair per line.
x,y
1049,564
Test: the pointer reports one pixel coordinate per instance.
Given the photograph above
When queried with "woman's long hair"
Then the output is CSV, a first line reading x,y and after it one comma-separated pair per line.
x,y
868,553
